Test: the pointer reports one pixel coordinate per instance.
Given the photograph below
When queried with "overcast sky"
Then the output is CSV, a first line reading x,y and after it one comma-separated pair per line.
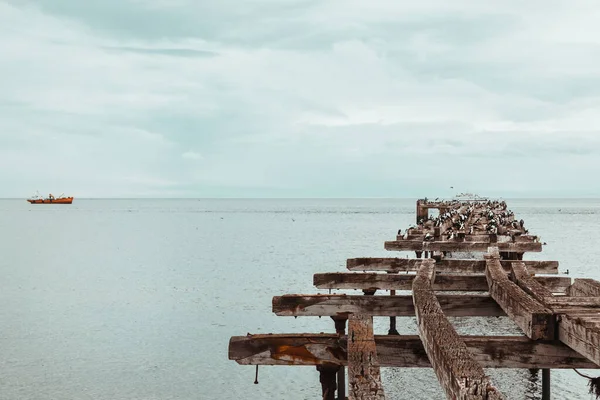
x,y
299,98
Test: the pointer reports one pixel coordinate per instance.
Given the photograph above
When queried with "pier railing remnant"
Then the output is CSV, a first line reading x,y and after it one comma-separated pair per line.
x,y
559,318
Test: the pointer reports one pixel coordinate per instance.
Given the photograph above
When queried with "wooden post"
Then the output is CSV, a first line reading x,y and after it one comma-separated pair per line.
x,y
340,325
340,329
363,367
545,384
341,377
327,375
422,212
393,330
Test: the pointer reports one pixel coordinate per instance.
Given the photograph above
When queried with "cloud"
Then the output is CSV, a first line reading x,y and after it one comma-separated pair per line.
x,y
191,155
298,98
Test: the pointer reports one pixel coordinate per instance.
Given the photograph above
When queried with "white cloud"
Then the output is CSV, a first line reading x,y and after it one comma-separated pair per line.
x,y
296,95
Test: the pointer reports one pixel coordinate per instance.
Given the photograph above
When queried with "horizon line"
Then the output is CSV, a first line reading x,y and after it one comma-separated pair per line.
x,y
313,198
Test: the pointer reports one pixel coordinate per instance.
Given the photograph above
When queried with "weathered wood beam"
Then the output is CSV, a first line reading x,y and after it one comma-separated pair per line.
x,y
580,335
579,317
409,245
585,287
364,376
458,373
525,280
535,320
303,349
457,282
386,306
465,266
383,264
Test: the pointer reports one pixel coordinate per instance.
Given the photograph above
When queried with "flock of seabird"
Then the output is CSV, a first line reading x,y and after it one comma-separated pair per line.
x,y
493,217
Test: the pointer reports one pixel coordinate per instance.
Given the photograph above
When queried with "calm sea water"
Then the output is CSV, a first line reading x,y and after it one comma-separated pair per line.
x,y
137,299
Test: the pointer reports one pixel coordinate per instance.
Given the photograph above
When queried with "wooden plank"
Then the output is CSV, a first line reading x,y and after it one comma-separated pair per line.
x,y
387,306
581,337
457,282
383,264
302,349
364,376
555,284
585,287
572,302
449,265
535,320
458,373
407,245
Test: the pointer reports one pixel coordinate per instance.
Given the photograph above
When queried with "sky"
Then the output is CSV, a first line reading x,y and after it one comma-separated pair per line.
x,y
299,98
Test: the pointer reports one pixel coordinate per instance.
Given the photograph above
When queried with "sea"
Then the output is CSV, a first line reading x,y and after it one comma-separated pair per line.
x,y
136,299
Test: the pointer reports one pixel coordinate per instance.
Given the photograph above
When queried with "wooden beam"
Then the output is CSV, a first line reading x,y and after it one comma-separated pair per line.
x,y
525,280
535,320
416,245
364,376
448,265
386,306
458,373
303,349
579,319
383,264
580,335
457,282
585,287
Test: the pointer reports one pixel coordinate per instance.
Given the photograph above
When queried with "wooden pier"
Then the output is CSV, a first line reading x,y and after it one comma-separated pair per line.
x,y
559,317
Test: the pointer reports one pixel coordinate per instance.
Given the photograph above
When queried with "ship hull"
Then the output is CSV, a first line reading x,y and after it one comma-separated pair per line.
x,y
64,200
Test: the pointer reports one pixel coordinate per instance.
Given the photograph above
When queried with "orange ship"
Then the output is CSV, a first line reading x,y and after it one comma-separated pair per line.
x,y
50,199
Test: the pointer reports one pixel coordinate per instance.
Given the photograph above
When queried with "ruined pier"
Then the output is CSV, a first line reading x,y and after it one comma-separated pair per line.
x,y
559,317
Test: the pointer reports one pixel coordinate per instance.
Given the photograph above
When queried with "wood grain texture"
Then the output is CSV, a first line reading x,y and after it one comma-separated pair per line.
x,y
364,375
453,282
404,351
417,245
387,306
459,374
581,335
535,320
525,280
585,287
446,266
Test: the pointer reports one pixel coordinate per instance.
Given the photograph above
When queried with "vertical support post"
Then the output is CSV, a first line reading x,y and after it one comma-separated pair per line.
x,y
545,384
364,375
340,329
422,211
327,375
392,330
341,377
